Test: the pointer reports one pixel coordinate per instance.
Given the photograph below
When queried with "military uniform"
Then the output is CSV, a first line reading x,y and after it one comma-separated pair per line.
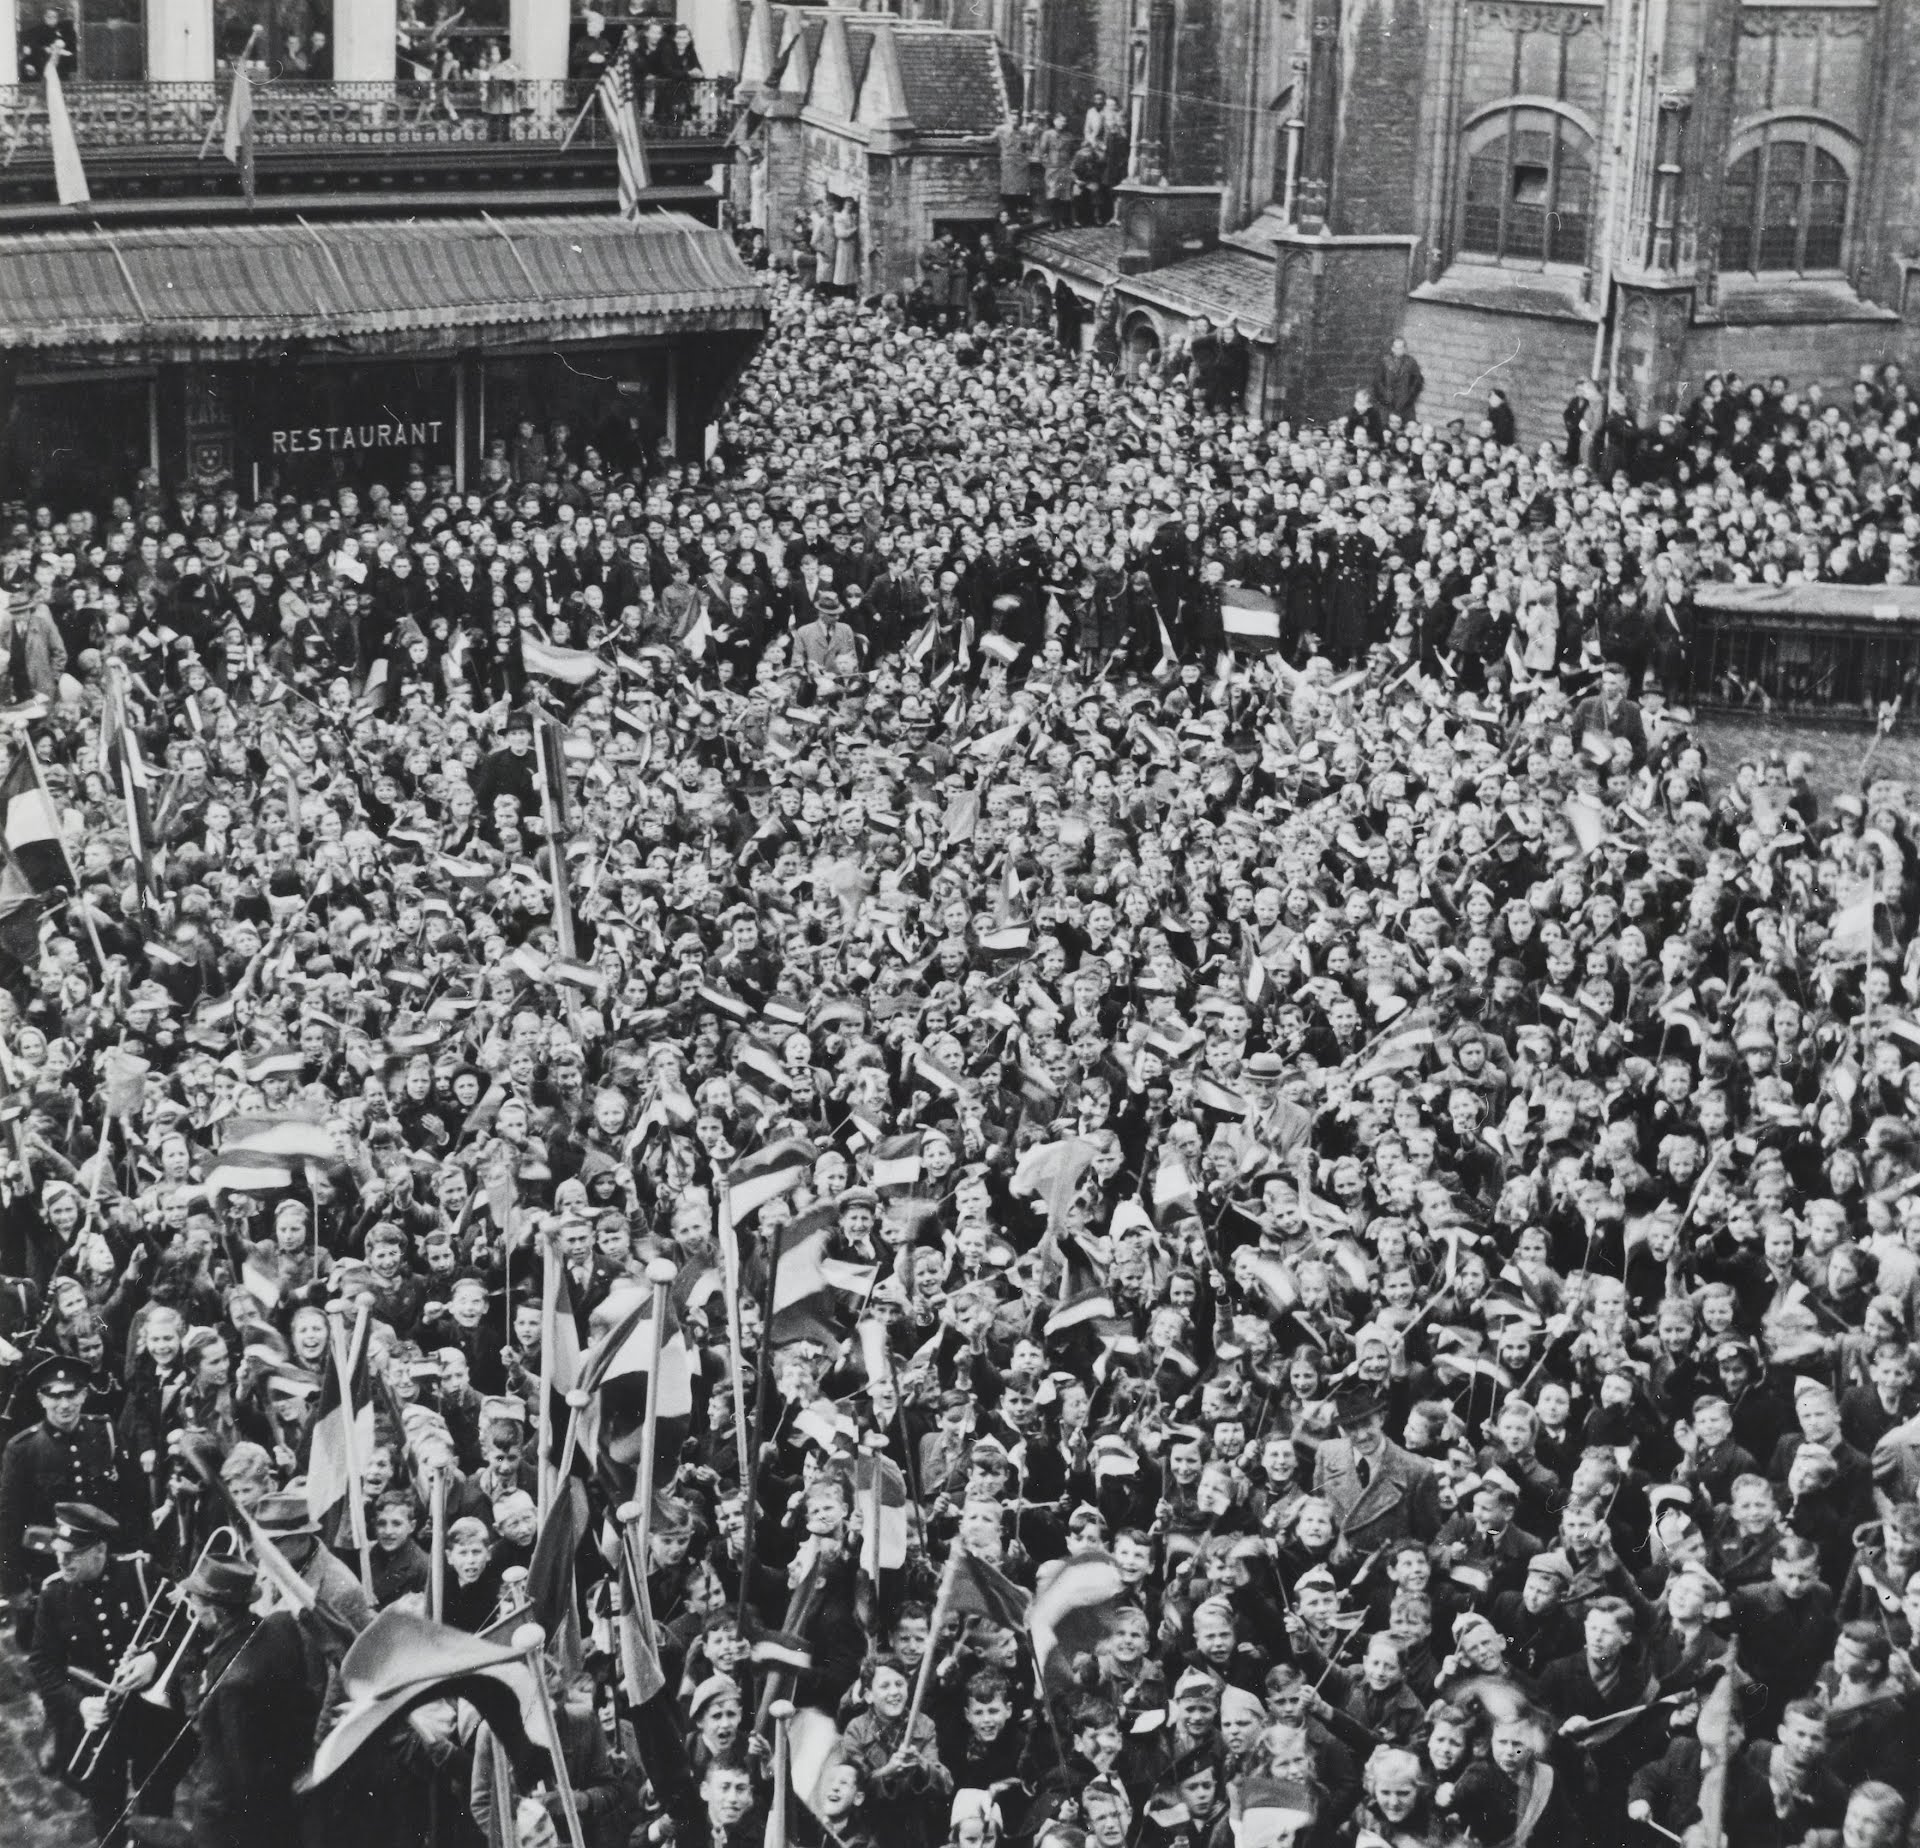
x,y
85,1627
43,1467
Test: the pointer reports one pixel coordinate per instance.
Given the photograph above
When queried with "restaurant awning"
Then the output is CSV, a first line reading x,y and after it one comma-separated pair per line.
x,y
226,291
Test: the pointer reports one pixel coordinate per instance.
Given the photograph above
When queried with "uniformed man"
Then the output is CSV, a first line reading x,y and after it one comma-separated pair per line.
x,y
85,1618
69,1456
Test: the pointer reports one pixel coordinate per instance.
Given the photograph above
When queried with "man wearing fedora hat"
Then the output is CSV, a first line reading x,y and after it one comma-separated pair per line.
x,y
1378,1491
252,1690
286,1520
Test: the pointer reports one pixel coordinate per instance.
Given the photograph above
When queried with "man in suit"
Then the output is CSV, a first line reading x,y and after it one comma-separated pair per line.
x,y
1611,714
1378,1491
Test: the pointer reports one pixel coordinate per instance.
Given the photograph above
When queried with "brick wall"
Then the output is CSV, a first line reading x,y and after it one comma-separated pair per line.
x,y
906,193
1466,352
1336,309
1386,58
1829,352
1888,225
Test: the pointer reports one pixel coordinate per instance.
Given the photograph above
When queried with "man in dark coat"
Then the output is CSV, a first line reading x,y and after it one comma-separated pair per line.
x,y
1352,583
258,1704
1785,1629
1398,381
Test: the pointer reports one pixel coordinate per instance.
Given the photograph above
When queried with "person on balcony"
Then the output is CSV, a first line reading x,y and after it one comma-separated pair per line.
x,y
499,92
37,45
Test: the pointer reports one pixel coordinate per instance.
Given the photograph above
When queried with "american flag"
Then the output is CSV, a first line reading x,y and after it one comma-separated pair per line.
x,y
623,118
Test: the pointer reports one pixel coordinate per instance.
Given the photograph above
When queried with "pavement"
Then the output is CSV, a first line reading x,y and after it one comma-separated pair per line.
x,y
36,1811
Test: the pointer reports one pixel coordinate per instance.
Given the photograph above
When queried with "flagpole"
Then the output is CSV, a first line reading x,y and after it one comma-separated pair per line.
x,y
935,1624
531,1640
782,1712
660,1273
549,1330
350,1444
437,1579
729,1240
762,1410
76,903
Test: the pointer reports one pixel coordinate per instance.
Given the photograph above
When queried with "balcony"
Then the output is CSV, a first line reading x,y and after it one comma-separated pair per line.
x,y
156,142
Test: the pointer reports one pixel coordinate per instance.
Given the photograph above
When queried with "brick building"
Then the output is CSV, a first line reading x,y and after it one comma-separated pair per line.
x,y
1531,190
897,116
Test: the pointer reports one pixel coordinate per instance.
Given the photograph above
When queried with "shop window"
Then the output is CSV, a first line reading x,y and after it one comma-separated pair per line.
x,y
1529,189
1784,207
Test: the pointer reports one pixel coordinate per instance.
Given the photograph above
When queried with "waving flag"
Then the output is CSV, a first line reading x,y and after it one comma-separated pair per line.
x,y
32,828
1083,1292
401,1661
550,760
896,1162
765,1175
881,1488
342,1429
976,1589
814,1295
1052,1172
1249,618
620,1369
1071,1614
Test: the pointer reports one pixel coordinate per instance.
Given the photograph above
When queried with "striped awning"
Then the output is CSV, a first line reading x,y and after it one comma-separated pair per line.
x,y
214,290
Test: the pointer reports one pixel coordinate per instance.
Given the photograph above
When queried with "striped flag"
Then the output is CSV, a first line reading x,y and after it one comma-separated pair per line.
x,y
896,1162
1405,1046
576,666
32,828
809,1287
766,1175
1247,616
883,1543
69,177
329,1484
1083,1293
623,120
619,1367
1071,1615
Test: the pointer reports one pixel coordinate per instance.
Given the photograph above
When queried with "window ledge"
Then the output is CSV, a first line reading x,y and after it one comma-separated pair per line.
x,y
1553,293
1749,300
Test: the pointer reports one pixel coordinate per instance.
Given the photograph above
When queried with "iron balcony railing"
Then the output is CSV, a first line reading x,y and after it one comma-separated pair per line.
x,y
157,117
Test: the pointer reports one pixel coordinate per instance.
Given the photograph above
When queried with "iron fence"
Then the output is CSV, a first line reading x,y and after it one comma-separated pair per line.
x,y
157,117
1797,665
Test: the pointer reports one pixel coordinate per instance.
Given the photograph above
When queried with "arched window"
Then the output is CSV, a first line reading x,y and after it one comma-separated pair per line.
x,y
1785,205
1529,188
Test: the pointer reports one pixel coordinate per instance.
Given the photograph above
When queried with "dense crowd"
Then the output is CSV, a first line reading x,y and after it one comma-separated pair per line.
x,y
1304,1234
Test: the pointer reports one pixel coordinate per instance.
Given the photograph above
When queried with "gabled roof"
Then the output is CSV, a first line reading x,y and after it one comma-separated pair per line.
x,y
952,81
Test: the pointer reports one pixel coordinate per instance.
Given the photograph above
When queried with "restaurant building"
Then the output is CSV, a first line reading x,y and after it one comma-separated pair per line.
x,y
420,265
